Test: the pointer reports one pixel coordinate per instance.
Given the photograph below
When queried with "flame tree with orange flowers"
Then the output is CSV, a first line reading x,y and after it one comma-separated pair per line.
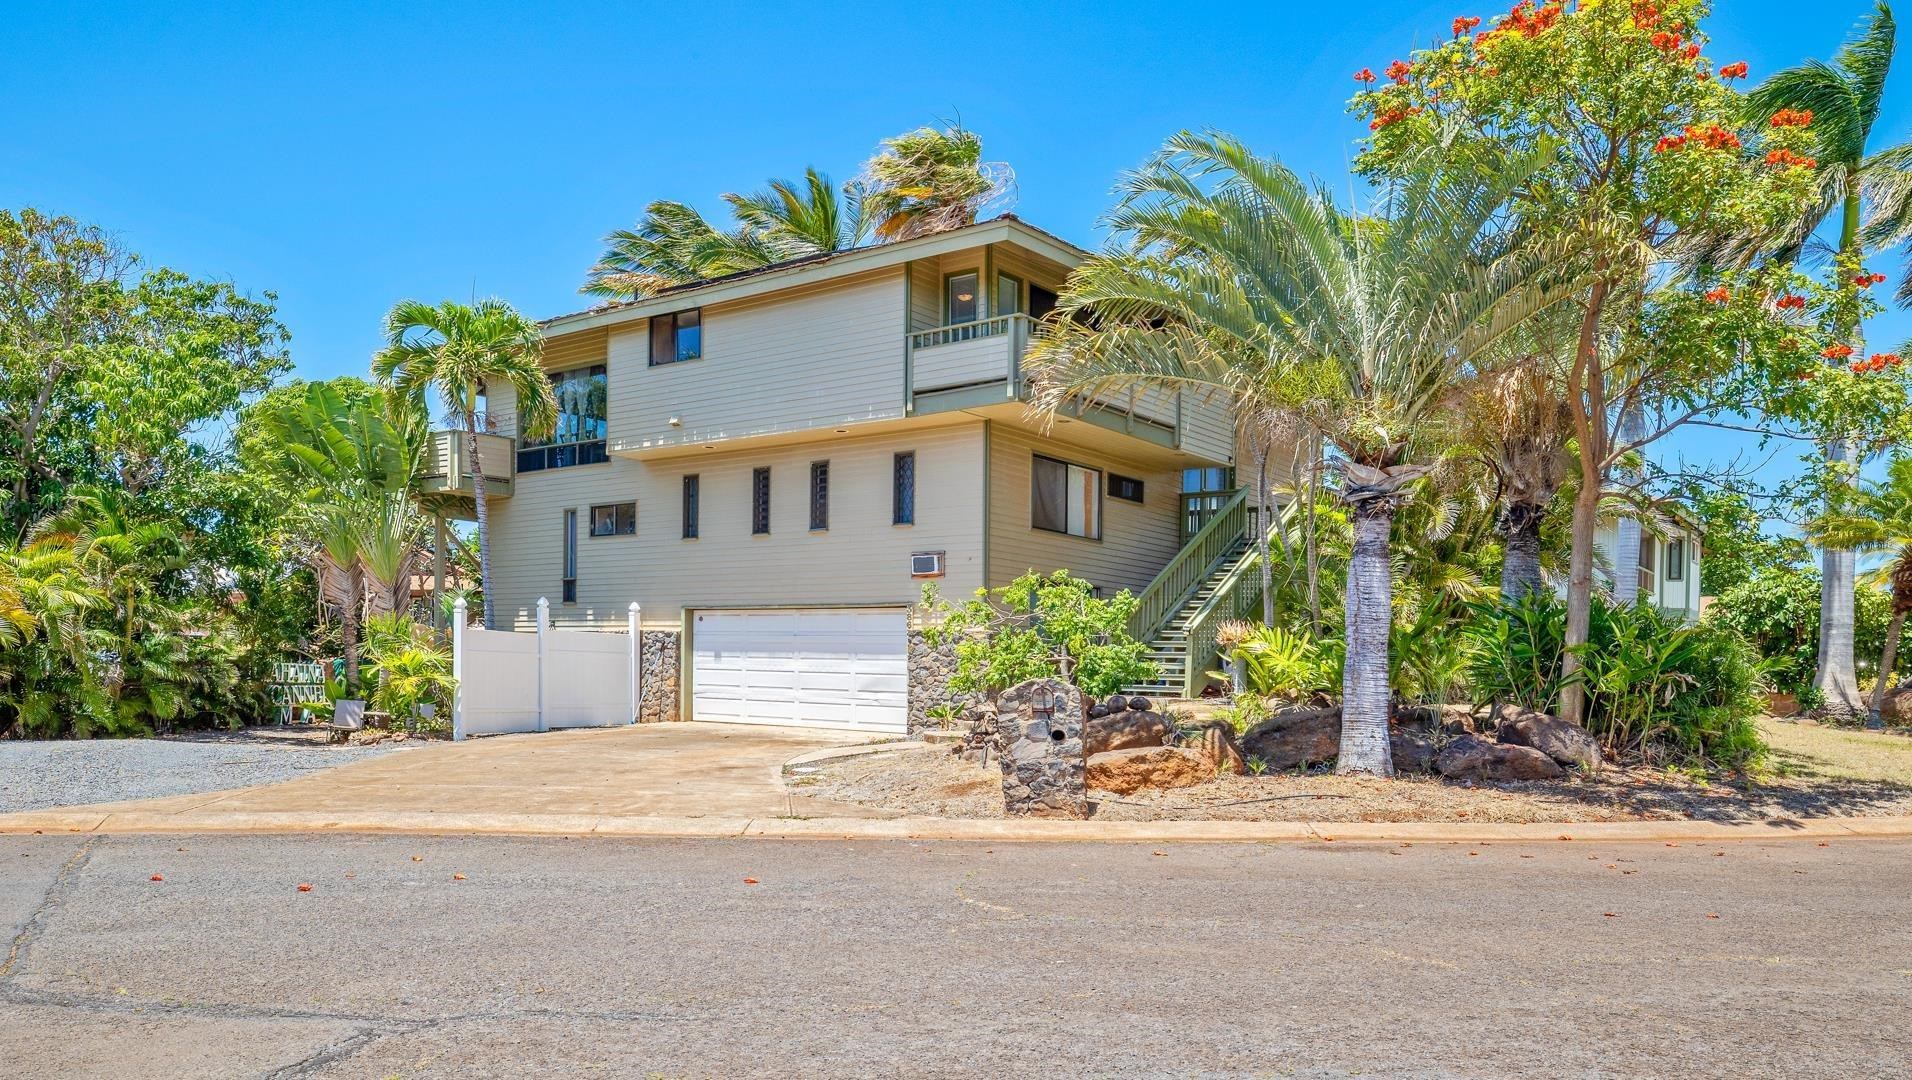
x,y
1649,155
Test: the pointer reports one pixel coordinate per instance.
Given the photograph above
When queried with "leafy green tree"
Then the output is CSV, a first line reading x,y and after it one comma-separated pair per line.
x,y
458,350
1646,150
1039,627
1236,280
1843,99
1777,611
1738,547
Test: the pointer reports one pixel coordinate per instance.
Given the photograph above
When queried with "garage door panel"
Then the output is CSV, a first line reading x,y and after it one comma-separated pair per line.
x,y
832,668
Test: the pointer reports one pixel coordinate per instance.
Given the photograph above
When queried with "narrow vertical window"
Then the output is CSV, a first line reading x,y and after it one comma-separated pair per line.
x,y
760,501
903,489
570,593
819,495
959,298
690,507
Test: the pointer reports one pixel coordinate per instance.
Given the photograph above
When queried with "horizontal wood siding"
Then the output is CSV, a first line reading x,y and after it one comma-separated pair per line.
x,y
801,359
1208,428
861,559
1137,541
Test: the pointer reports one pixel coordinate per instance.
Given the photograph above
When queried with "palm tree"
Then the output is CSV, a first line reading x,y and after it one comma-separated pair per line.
x,y
814,219
672,245
1844,97
929,180
1238,280
460,349
1877,518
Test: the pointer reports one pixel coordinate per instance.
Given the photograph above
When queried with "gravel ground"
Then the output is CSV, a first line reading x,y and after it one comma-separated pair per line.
x,y
1820,773
78,772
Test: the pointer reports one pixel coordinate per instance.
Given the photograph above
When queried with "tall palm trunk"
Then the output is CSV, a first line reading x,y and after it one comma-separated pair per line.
x,y
1264,521
1364,675
1520,550
1587,396
1310,541
1875,714
349,614
484,519
1837,677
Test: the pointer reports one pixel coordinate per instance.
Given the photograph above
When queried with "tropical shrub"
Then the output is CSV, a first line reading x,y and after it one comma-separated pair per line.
x,y
1516,651
1017,633
406,667
1280,663
1777,612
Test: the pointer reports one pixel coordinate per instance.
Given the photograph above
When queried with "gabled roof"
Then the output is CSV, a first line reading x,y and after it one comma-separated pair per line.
x,y
810,269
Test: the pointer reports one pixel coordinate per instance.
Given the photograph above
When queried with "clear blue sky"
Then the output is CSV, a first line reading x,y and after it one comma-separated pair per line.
x,y
345,155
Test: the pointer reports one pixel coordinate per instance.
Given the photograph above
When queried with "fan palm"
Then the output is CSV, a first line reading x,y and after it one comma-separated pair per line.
x,y
1238,280
929,180
459,350
122,556
1877,518
1844,97
672,245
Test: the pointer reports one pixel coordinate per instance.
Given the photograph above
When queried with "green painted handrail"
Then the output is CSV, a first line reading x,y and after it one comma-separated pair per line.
x,y
1185,572
1237,596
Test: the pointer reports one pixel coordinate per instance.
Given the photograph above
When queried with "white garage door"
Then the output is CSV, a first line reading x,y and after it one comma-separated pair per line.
x,y
815,667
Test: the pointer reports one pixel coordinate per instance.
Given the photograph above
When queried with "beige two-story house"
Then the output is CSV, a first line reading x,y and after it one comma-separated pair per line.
x,y
773,464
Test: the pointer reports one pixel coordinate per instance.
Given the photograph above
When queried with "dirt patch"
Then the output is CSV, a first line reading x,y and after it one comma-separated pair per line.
x,y
1818,772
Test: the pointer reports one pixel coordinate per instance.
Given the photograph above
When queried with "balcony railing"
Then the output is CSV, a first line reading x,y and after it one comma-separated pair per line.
x,y
969,354
447,467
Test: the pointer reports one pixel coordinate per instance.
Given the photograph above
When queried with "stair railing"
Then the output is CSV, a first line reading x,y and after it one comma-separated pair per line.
x,y
1189,567
1237,596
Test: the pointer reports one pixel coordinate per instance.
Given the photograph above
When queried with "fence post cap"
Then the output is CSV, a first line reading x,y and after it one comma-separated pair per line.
x,y
634,607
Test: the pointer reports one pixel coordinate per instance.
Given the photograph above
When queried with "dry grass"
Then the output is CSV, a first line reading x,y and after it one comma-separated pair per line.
x,y
1816,772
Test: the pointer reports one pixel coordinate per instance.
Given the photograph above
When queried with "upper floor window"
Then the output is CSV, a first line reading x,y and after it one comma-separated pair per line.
x,y
1125,487
568,585
1066,498
617,519
690,506
819,496
959,298
677,337
1041,301
1008,295
583,422
760,501
1676,560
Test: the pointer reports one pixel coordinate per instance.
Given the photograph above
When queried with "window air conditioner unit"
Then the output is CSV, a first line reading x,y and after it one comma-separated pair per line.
x,y
925,564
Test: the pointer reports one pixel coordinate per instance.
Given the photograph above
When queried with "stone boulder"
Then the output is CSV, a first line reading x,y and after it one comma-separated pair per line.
x,y
1126,771
1038,738
1411,751
1472,758
1567,743
1122,730
1217,744
1441,719
1291,740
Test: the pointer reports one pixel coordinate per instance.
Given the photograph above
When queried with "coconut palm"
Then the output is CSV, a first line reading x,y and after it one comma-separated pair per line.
x,y
1844,97
1238,280
459,350
1875,519
931,179
813,218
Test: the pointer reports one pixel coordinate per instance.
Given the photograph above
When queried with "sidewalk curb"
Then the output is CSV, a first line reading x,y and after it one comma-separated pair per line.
x,y
1036,830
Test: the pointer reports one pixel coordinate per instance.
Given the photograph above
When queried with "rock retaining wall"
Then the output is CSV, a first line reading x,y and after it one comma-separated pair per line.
x,y
660,657
930,669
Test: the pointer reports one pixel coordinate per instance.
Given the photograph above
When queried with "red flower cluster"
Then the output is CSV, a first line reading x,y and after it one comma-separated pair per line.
x,y
1692,52
1365,75
1645,15
1720,295
1792,118
1667,41
1399,71
1463,24
1881,361
1669,143
1790,302
1525,20
1734,71
1710,137
1836,352
1392,116
1867,281
1783,157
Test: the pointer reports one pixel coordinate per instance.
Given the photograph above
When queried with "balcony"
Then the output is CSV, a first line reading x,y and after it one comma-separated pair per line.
x,y
446,475
979,364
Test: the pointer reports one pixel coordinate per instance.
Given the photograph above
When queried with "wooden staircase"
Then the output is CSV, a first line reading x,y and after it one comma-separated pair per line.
x,y
1169,647
1202,584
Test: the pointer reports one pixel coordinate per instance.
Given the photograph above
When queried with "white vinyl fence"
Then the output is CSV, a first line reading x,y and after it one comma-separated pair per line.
x,y
510,681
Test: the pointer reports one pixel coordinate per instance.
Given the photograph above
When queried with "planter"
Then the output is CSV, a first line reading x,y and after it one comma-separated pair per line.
x,y
1782,704
348,713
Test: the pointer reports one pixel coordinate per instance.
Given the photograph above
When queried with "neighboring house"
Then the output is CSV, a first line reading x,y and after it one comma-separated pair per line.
x,y
1634,564
774,463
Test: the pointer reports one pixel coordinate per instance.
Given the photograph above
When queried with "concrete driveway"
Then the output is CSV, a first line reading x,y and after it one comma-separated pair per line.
x,y
686,771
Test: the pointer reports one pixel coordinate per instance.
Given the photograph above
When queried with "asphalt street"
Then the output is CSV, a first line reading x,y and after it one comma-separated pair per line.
x,y
420,957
